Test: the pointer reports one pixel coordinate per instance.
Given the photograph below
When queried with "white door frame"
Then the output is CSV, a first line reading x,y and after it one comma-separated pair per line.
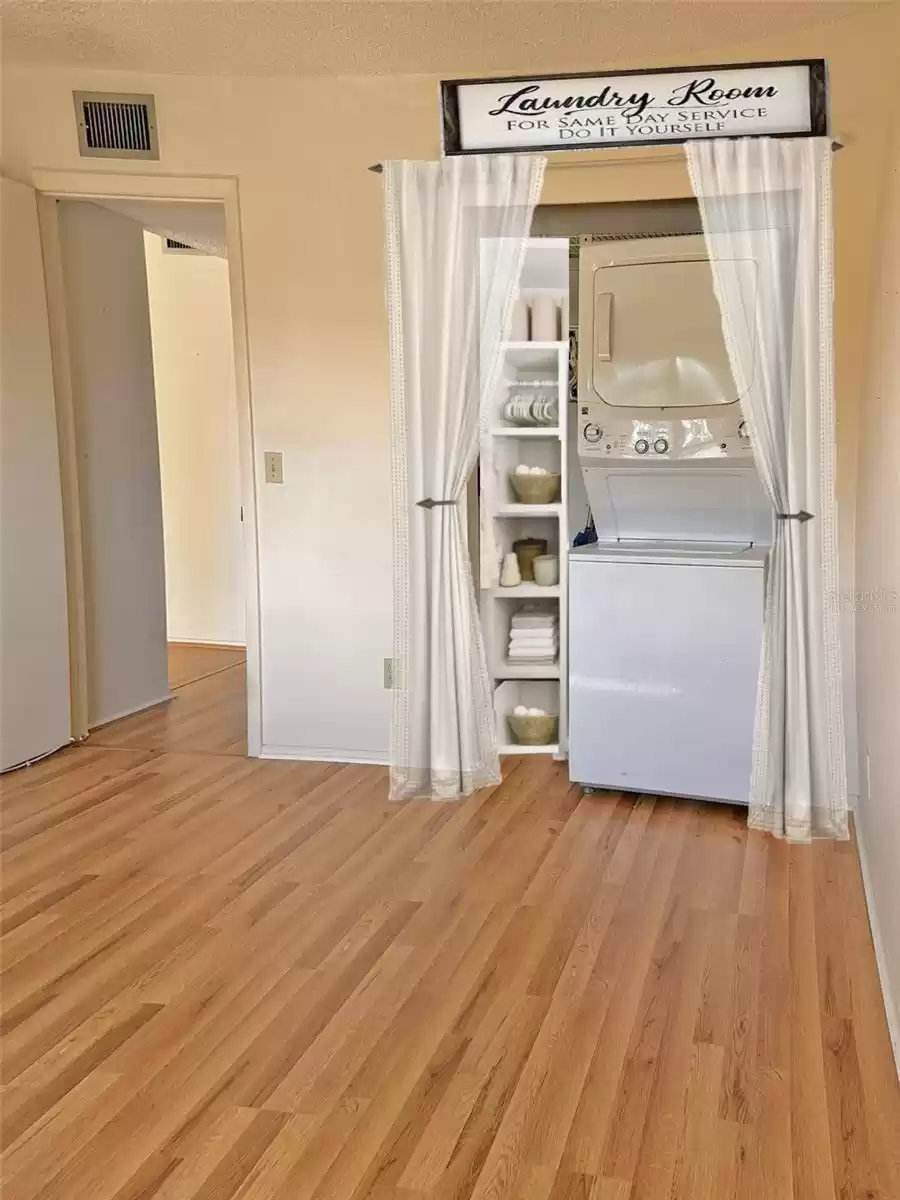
x,y
54,185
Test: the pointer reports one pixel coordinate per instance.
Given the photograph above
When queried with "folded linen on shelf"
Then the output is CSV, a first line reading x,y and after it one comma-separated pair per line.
x,y
533,637
533,619
533,651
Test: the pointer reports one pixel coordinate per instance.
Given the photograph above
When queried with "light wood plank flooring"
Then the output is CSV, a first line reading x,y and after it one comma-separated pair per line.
x,y
192,661
207,713
237,980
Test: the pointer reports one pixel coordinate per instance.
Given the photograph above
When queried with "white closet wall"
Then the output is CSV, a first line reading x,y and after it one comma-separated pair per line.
x,y
118,459
193,360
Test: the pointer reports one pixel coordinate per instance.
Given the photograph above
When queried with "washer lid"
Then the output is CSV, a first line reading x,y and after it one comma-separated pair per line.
x,y
696,554
681,502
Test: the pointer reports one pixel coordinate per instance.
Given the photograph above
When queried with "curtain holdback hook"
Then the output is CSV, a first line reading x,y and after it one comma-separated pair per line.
x,y
429,503
802,516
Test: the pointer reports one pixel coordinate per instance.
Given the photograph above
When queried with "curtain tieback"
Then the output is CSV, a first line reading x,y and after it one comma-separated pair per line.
x,y
429,503
801,516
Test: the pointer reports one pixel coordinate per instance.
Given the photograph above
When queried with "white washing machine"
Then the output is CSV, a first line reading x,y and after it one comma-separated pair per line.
x,y
664,656
666,609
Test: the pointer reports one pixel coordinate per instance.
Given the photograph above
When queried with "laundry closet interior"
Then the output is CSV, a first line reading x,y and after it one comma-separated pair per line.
x,y
623,528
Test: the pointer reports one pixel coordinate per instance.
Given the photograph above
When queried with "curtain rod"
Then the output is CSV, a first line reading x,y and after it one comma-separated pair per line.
x,y
378,168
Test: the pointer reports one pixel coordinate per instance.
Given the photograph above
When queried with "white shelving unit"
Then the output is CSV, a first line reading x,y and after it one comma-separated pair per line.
x,y
544,366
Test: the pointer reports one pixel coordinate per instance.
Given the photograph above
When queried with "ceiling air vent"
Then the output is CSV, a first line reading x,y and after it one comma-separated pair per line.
x,y
111,125
174,246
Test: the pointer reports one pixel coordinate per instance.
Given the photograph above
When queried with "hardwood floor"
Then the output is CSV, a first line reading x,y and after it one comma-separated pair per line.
x,y
236,980
192,661
207,714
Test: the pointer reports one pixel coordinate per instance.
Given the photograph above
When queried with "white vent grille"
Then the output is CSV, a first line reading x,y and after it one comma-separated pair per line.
x,y
594,239
112,125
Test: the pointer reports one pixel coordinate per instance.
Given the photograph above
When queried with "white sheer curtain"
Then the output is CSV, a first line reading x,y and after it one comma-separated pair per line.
x,y
769,201
456,234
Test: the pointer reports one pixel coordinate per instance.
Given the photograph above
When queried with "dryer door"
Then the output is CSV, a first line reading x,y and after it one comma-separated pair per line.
x,y
651,332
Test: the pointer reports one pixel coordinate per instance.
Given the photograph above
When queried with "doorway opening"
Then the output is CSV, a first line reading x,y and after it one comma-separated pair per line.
x,y
147,336
199,463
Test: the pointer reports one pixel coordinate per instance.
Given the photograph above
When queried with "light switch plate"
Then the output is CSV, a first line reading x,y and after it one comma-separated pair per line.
x,y
274,466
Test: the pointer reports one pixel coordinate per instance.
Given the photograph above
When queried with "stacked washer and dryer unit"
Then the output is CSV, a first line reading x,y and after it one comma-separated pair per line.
x,y
666,607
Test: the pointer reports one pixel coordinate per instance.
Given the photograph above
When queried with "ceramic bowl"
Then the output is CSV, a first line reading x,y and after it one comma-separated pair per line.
x,y
535,489
534,731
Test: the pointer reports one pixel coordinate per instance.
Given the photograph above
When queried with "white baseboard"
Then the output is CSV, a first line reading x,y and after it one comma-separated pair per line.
x,y
214,645
324,754
891,1007
132,712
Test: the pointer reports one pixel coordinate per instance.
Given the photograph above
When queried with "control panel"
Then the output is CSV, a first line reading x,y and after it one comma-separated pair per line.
x,y
660,439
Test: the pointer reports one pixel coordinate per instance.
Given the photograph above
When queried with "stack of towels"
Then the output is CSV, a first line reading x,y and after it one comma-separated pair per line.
x,y
534,636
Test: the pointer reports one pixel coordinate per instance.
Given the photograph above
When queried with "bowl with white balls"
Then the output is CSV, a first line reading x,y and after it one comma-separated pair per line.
x,y
534,485
533,726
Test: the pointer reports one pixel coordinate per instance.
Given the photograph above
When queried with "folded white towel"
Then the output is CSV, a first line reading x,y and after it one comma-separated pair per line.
x,y
524,619
526,639
536,652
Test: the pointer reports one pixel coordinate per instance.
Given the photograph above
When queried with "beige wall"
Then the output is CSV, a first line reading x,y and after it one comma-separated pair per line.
x,y
196,407
312,236
877,602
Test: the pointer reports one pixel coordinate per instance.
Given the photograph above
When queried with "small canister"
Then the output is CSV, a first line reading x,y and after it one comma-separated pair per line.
x,y
546,570
527,550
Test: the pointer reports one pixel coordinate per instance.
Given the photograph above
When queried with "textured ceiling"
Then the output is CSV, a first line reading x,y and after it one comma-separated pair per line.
x,y
317,37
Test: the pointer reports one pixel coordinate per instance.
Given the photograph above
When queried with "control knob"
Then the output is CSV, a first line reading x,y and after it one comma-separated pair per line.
x,y
641,446
592,432
743,432
660,446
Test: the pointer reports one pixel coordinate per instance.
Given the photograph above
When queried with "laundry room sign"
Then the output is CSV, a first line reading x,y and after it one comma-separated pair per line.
x,y
573,112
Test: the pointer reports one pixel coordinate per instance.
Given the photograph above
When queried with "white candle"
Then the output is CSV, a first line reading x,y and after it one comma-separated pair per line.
x,y
544,319
519,329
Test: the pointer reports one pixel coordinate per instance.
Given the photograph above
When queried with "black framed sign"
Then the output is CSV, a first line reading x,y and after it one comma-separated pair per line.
x,y
573,112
